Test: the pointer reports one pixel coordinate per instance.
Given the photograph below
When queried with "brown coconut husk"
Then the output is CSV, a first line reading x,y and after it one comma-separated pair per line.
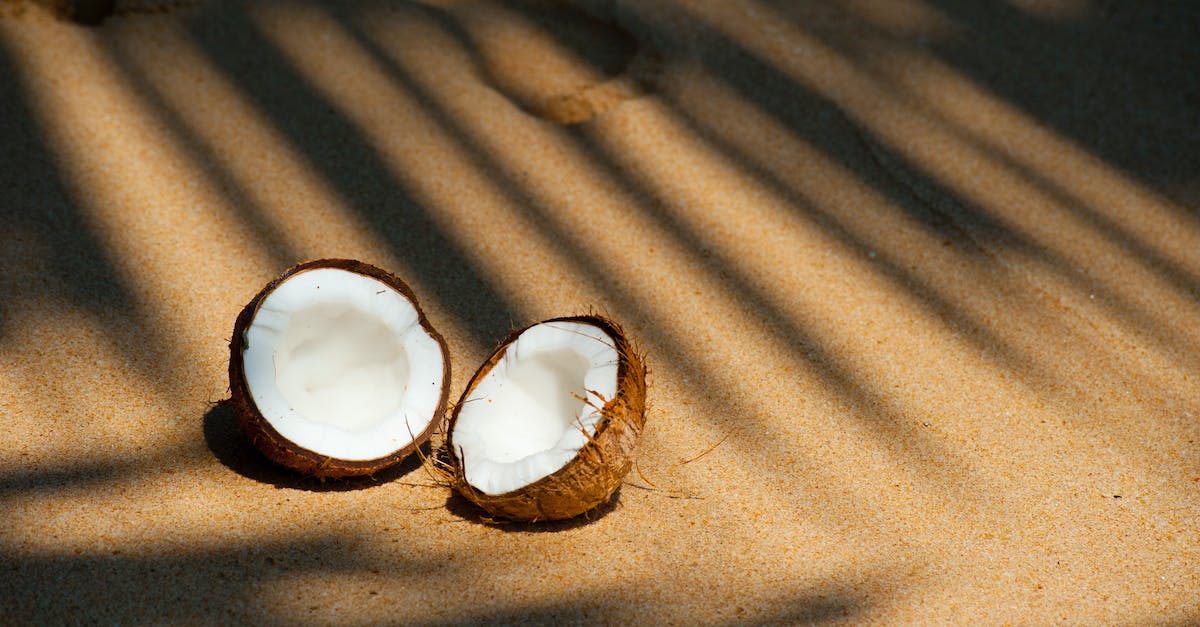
x,y
593,476
287,453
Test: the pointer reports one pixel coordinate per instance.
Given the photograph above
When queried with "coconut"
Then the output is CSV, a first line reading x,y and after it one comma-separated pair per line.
x,y
335,371
546,429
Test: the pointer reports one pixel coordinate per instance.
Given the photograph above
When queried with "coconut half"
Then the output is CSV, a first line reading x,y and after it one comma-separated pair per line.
x,y
335,371
547,427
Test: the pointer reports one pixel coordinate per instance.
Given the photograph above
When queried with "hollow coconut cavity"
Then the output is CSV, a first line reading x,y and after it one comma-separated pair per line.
x,y
547,427
335,371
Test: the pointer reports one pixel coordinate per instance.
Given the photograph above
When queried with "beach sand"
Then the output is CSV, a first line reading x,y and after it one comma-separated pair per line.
x,y
918,283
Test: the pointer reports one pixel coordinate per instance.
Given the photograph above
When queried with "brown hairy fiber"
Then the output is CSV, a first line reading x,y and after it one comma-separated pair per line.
x,y
591,478
287,453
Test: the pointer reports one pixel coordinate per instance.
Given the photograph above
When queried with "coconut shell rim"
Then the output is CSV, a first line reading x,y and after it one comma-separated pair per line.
x,y
285,452
630,366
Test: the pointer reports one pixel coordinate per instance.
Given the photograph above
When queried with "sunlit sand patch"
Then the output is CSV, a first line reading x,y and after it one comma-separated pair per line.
x,y
98,401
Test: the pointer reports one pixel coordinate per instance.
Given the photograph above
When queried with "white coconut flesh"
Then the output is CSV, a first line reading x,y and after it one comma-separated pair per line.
x,y
537,407
339,364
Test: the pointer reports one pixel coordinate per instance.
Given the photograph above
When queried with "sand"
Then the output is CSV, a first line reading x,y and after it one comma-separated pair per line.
x,y
918,283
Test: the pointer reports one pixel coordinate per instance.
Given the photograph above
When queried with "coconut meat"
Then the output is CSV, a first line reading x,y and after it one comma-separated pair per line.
x,y
339,364
537,406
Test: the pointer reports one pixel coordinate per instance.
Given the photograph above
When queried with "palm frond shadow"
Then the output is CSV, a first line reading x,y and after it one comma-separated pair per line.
x,y
805,345
42,214
198,585
341,155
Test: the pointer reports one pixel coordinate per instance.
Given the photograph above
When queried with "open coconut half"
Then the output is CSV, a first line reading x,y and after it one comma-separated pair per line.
x,y
335,371
547,427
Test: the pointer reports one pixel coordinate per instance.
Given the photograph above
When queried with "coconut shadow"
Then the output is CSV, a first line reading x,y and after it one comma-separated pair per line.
x,y
227,443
